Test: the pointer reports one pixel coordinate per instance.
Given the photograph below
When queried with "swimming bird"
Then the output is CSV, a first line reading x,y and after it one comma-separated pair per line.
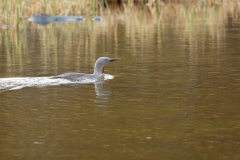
x,y
97,74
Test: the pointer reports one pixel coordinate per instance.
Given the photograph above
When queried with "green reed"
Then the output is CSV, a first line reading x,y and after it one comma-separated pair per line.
x,y
15,38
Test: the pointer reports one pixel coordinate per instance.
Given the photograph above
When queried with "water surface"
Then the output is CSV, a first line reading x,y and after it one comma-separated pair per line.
x,y
175,94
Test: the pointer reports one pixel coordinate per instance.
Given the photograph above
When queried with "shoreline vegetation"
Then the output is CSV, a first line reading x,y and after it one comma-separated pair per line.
x,y
13,11
148,19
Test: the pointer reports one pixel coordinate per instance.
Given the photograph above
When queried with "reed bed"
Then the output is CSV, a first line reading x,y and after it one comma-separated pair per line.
x,y
138,22
13,11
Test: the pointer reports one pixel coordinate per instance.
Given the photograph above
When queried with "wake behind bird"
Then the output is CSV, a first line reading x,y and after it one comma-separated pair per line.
x,y
16,83
66,78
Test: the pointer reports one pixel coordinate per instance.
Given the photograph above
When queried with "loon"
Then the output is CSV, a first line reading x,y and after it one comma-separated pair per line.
x,y
97,74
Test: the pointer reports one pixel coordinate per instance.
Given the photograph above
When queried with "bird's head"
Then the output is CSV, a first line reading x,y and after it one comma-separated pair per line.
x,y
101,63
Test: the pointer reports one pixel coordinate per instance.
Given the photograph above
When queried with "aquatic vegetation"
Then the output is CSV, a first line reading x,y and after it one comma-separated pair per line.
x,y
137,20
13,12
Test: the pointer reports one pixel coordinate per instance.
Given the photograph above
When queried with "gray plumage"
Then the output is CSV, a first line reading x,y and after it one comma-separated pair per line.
x,y
97,74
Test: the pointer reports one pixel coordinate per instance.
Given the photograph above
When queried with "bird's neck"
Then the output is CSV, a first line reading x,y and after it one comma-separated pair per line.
x,y
98,71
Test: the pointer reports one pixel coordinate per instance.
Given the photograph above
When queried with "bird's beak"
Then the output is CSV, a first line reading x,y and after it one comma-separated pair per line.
x,y
114,59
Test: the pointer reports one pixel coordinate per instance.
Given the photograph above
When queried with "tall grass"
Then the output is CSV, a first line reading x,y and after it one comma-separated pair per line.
x,y
12,10
137,20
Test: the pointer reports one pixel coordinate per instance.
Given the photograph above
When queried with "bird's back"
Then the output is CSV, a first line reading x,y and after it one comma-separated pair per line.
x,y
74,76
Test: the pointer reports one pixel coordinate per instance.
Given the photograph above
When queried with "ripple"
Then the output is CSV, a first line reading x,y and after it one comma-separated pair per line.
x,y
16,83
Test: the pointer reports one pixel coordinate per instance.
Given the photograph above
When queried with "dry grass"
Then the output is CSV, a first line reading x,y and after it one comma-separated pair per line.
x,y
12,11
139,22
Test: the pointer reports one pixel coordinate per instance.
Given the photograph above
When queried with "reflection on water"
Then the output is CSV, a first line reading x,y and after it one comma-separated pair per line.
x,y
88,38
102,94
175,94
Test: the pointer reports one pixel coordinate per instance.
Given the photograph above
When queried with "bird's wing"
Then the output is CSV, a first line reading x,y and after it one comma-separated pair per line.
x,y
70,76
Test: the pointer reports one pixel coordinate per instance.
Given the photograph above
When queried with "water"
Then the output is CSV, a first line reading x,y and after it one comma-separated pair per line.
x,y
175,92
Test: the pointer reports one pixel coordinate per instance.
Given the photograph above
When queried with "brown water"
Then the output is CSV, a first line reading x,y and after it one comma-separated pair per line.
x,y
175,94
